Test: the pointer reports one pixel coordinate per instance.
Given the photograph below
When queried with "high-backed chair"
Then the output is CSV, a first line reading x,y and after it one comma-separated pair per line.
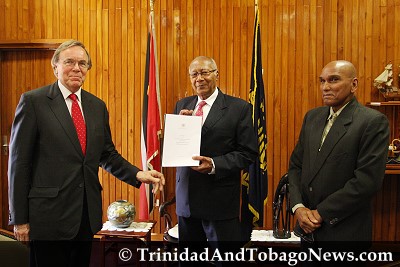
x,y
281,209
168,221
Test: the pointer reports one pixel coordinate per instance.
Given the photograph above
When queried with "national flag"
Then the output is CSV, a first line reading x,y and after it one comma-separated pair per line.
x,y
151,122
255,179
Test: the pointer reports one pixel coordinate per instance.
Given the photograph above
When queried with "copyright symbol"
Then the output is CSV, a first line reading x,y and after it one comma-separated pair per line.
x,y
125,254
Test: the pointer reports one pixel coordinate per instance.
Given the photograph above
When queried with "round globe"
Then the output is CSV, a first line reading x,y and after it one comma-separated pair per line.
x,y
121,213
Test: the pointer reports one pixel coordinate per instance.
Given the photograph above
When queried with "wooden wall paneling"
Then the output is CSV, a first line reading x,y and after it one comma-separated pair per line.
x,y
124,90
49,23
131,89
228,68
285,59
345,37
222,57
291,87
275,72
368,51
105,78
241,64
117,89
176,46
268,46
314,70
183,60
136,72
189,47
379,64
305,85
111,87
68,18
355,32
9,12
2,20
361,50
319,50
394,206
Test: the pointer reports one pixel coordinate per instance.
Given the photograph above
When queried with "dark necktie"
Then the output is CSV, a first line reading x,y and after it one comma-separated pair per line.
x,y
79,122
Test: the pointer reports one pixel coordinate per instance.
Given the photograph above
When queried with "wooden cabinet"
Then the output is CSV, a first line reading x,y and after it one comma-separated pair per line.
x,y
391,109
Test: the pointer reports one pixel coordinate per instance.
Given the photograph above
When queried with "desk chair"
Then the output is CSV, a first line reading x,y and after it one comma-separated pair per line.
x,y
281,209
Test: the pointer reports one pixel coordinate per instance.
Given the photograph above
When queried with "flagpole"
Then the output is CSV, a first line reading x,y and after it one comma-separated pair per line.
x,y
152,30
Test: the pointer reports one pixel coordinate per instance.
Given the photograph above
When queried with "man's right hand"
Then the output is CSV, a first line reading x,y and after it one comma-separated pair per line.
x,y
21,232
307,219
186,112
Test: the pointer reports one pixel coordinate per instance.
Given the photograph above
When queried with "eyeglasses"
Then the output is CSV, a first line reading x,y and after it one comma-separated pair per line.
x,y
204,73
71,63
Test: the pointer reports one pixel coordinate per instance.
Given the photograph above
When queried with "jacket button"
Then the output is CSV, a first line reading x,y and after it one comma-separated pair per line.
x,y
310,188
333,221
81,185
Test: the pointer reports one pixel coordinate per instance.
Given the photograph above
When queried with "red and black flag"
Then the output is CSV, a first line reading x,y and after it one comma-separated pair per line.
x,y
151,122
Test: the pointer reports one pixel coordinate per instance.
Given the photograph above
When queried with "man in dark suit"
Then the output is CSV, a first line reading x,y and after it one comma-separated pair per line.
x,y
334,173
208,196
54,189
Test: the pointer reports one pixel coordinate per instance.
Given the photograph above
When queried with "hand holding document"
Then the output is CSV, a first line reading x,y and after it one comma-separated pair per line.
x,y
182,136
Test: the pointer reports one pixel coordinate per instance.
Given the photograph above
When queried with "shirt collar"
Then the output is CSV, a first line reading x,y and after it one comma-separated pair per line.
x,y
210,100
331,113
65,92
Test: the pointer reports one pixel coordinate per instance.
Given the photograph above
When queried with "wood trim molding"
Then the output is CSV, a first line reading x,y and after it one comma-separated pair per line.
x,y
44,44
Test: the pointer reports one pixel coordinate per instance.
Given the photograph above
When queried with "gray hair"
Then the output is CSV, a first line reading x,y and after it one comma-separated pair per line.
x,y
65,46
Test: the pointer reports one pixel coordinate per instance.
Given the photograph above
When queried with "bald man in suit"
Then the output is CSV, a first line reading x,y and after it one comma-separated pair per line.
x,y
334,173
54,189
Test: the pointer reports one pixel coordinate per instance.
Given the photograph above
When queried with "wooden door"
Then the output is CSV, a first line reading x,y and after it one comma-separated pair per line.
x,y
20,71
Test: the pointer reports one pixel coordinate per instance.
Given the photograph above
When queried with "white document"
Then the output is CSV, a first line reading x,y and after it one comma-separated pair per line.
x,y
182,136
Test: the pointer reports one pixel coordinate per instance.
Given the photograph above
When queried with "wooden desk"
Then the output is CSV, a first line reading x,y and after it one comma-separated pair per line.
x,y
119,248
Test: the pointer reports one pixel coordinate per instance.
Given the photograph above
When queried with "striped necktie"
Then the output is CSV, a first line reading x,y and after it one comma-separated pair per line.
x,y
328,126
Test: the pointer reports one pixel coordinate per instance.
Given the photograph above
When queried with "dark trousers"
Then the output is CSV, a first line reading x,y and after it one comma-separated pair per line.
x,y
65,253
198,234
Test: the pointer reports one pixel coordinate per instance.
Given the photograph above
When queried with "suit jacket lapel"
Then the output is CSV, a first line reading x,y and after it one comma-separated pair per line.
x,y
316,134
216,112
90,117
338,130
60,110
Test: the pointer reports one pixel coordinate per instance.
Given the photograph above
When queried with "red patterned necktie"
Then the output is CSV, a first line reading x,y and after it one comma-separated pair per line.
x,y
79,122
199,111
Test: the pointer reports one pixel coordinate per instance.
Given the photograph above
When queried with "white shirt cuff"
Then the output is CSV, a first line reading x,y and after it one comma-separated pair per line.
x,y
300,205
213,168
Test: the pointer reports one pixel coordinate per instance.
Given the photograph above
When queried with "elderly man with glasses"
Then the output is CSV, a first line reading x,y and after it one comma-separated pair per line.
x,y
208,195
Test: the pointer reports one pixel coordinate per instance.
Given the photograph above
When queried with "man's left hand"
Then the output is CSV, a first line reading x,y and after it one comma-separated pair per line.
x,y
205,166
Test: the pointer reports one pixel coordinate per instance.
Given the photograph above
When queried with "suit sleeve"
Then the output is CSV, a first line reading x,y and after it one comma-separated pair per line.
x,y
113,162
295,169
368,174
22,145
